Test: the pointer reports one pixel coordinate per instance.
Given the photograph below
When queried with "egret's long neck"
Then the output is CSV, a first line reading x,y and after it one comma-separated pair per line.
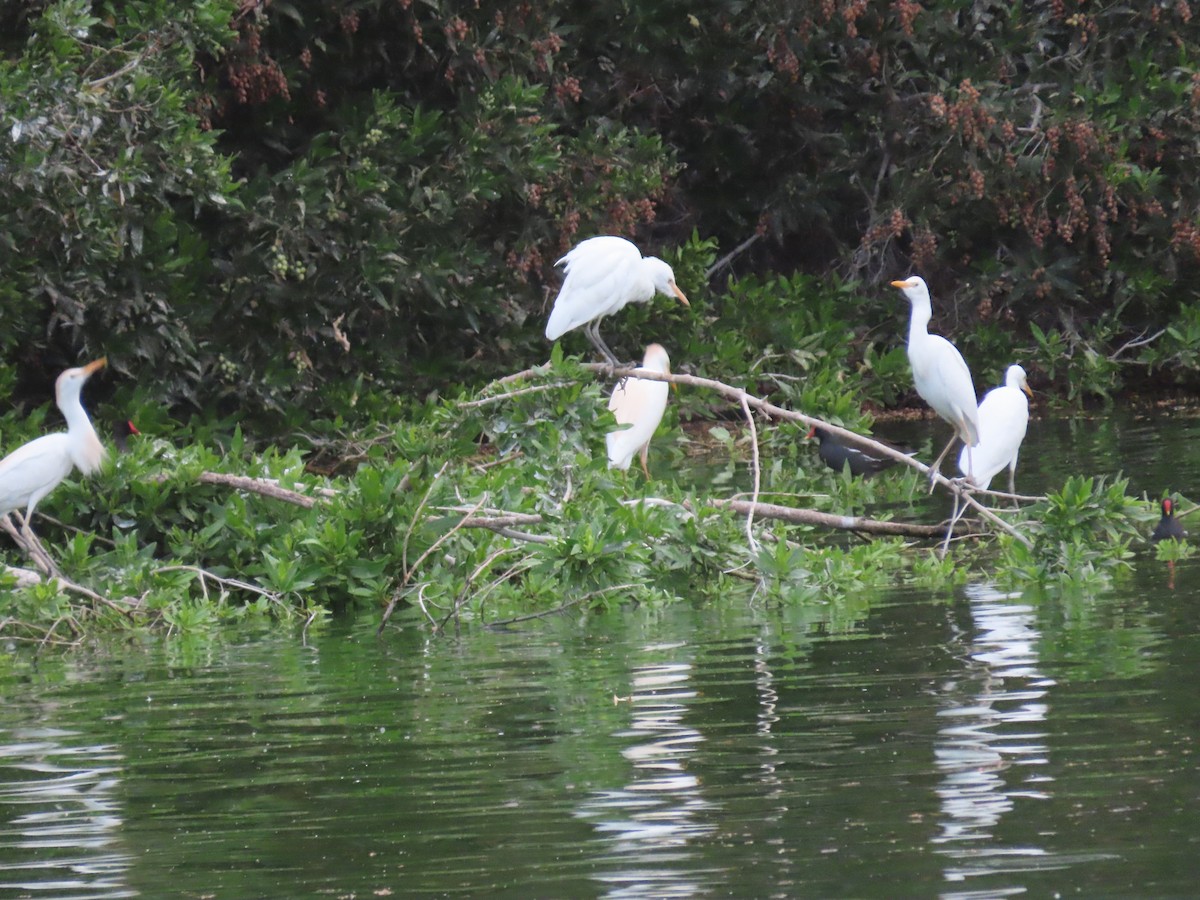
x,y
87,453
918,325
73,411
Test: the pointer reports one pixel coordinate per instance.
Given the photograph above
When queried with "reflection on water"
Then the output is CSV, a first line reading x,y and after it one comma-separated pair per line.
x,y
61,819
992,748
650,822
1000,744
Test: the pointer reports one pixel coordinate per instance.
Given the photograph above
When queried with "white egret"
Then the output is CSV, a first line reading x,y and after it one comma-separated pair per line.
x,y
34,469
602,275
639,404
940,374
1003,419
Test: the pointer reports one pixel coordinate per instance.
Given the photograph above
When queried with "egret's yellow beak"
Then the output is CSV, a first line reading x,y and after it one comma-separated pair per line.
x,y
679,294
903,284
95,365
1025,387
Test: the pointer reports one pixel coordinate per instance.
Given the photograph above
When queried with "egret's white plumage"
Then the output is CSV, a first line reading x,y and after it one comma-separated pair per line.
x,y
34,469
602,275
1003,420
940,374
639,404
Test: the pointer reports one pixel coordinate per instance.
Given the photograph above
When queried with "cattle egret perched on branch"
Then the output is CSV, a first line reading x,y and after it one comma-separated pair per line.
x,y
940,374
34,469
602,275
1003,418
640,404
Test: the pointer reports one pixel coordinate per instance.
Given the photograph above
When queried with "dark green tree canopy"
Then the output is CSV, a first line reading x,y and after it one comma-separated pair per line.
x,y
272,202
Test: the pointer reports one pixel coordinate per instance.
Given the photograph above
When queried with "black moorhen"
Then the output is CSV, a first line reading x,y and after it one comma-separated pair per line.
x,y
121,433
835,454
1168,526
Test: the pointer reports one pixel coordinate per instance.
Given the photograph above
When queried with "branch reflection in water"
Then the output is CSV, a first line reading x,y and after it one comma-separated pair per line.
x,y
60,817
652,820
991,749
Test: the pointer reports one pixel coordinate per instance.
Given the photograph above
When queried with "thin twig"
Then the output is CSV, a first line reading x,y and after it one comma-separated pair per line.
x,y
731,256
757,473
561,608
409,571
206,576
1136,342
828,520
508,395
466,588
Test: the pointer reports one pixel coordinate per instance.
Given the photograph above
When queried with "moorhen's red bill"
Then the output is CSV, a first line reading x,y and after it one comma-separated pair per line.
x,y
1168,526
835,454
121,433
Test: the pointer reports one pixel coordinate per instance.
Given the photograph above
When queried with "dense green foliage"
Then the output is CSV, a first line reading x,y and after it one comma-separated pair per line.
x,y
265,203
499,503
309,219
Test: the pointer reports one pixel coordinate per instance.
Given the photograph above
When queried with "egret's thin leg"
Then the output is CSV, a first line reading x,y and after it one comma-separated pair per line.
x,y
33,547
592,330
955,514
937,465
645,453
1012,482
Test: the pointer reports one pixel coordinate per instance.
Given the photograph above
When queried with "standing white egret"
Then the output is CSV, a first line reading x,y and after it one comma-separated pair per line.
x,y
1003,419
640,404
940,374
602,275
34,469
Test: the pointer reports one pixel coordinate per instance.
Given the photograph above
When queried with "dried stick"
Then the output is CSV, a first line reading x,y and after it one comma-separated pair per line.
x,y
206,576
466,589
508,395
409,571
731,255
828,520
266,487
562,607
757,476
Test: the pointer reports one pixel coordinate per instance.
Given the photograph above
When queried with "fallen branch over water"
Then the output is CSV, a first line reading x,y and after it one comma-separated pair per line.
x,y
829,520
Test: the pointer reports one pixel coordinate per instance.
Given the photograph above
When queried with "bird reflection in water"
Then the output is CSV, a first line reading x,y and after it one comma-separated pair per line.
x,y
992,746
61,817
653,818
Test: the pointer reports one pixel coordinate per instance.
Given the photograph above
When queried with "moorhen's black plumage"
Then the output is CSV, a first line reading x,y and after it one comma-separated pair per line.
x,y
835,454
1168,526
121,433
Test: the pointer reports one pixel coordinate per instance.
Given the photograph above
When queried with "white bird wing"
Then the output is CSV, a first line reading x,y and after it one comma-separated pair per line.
x,y
33,470
640,405
601,276
944,381
1003,421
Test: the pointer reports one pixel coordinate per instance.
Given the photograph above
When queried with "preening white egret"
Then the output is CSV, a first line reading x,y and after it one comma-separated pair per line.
x,y
34,469
602,275
940,374
1003,419
639,404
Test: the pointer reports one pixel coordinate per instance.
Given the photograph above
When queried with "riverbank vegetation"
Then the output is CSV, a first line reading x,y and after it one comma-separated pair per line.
x,y
308,237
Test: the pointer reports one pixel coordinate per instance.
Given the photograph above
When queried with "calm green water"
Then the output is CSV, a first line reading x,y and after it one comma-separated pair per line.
x,y
964,744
